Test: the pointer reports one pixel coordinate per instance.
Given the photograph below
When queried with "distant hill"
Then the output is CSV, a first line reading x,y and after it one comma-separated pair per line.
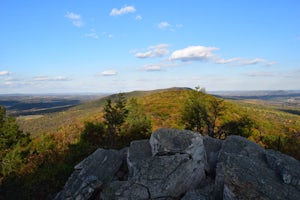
x,y
91,110
274,117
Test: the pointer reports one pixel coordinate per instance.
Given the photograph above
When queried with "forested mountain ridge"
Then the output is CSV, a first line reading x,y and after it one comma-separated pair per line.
x,y
163,107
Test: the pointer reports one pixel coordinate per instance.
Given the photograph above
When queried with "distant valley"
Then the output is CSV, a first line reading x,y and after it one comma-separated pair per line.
x,y
40,104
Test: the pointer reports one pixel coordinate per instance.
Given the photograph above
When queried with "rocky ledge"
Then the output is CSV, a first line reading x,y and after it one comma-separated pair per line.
x,y
180,164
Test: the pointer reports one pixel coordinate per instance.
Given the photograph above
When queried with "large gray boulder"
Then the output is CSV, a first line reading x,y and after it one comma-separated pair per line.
x,y
173,141
91,174
247,171
176,164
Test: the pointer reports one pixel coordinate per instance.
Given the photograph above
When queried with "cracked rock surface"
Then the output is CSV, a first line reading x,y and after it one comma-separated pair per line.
x,y
164,168
178,164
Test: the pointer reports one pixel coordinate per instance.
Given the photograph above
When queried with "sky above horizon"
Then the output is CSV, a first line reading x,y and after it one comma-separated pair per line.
x,y
63,46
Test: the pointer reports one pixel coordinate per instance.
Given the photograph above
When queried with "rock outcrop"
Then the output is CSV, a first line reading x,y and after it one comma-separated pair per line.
x,y
178,164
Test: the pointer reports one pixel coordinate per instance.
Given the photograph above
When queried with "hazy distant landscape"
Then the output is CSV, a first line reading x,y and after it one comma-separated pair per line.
x,y
26,104
39,104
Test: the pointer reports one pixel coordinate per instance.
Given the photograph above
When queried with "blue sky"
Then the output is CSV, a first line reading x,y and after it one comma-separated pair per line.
x,y
63,46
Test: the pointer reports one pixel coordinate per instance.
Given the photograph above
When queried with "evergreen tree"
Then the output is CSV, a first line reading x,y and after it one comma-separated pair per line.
x,y
243,127
216,109
201,112
12,139
194,111
115,114
137,125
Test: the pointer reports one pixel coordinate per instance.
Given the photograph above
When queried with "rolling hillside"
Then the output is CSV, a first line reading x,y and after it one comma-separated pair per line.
x,y
272,118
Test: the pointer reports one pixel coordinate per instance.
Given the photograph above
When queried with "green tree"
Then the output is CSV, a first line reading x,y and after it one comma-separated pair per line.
x,y
137,125
201,112
215,109
94,133
243,127
12,144
194,110
115,114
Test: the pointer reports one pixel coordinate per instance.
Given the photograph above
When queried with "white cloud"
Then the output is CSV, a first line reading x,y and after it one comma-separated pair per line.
x,y
72,16
75,18
269,64
151,67
202,53
167,26
194,53
157,67
47,78
138,17
154,51
11,79
260,74
243,62
122,11
163,25
108,73
108,35
4,73
250,62
92,34
226,61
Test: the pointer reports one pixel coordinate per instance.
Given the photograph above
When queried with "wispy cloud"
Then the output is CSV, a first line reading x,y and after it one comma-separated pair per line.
x,y
164,25
108,73
154,51
251,61
109,35
122,11
152,67
269,64
138,17
157,67
4,73
239,61
11,79
92,34
47,78
261,74
75,19
226,61
194,53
